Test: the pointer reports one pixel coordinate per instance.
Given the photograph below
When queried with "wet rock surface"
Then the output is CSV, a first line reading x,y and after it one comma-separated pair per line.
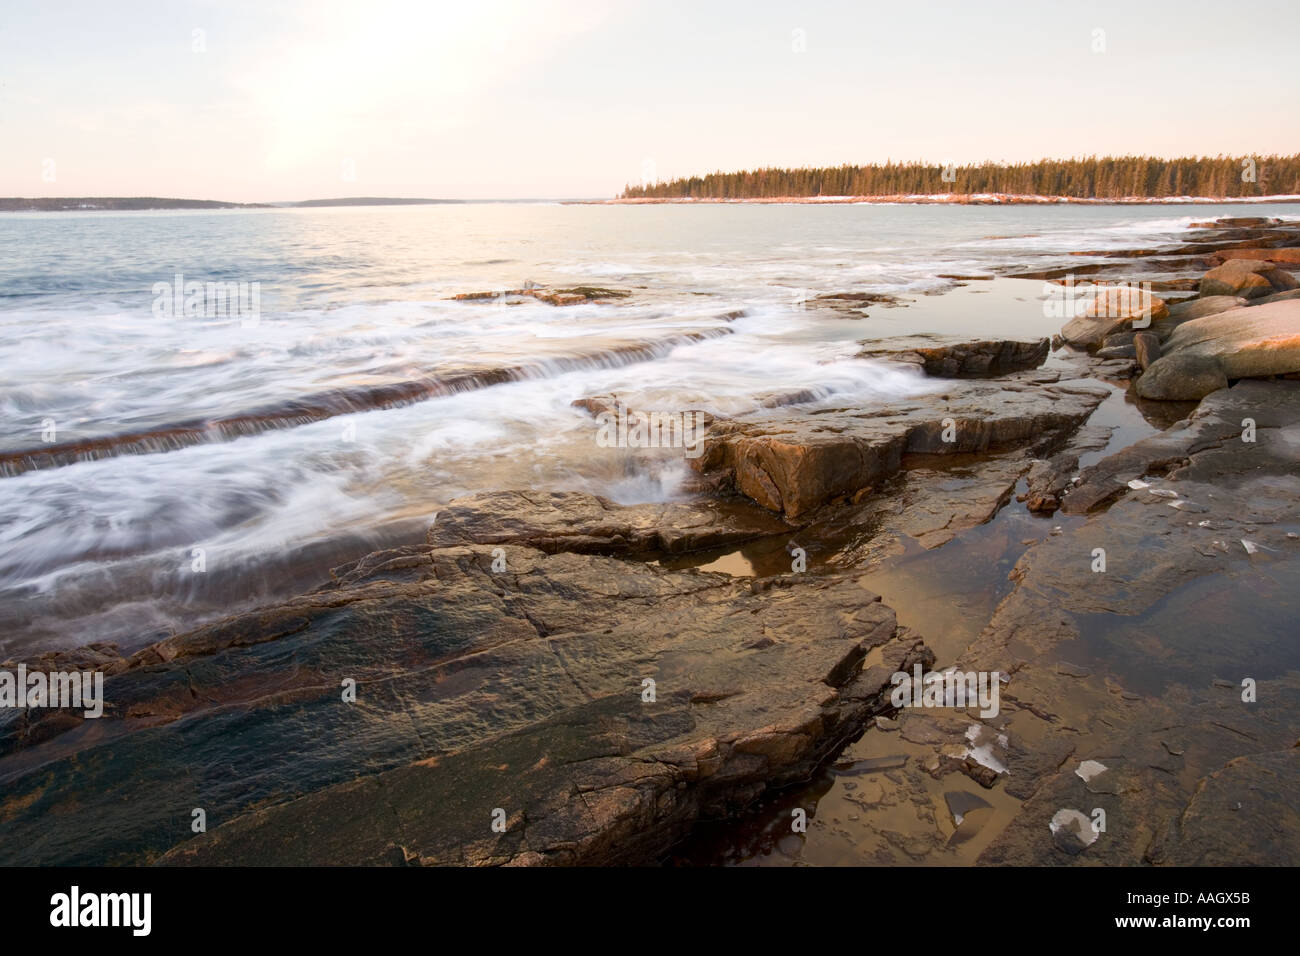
x,y
858,302
476,691
1165,732
964,359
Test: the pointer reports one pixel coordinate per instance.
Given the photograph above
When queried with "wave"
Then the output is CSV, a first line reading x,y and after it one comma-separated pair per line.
x,y
340,401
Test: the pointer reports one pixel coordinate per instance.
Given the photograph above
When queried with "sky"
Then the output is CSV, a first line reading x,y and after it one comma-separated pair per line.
x,y
275,101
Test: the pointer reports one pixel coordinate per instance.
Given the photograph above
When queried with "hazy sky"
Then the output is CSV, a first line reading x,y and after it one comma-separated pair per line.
x,y
478,98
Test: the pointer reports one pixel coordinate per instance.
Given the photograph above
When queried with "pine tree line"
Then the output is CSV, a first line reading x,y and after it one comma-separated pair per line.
x,y
1110,177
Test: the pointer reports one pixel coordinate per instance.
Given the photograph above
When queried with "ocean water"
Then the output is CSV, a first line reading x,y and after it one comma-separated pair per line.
x,y
159,469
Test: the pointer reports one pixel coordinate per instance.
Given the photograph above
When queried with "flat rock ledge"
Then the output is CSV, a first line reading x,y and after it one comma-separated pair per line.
x,y
589,524
793,464
577,295
516,696
964,359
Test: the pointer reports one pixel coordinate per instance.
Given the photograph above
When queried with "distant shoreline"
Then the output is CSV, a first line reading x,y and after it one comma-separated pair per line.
x,y
155,203
158,204
952,199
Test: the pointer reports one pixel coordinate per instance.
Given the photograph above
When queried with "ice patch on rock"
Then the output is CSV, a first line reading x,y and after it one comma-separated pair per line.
x,y
981,748
1089,769
1072,830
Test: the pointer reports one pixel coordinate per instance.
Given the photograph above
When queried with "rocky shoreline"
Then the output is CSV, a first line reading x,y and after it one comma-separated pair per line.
x,y
540,682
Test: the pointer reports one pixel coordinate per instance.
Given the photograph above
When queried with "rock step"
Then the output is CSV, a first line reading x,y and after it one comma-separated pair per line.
x,y
794,464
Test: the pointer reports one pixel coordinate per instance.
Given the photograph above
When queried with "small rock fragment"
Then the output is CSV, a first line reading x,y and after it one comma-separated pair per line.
x,y
851,768
962,802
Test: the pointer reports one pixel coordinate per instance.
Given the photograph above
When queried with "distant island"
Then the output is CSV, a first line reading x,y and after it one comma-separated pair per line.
x,y
69,204
119,203
1089,179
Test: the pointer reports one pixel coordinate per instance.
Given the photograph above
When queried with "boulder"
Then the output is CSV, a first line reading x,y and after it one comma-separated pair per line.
x,y
1147,347
1117,352
1202,306
1197,308
1277,297
1047,480
1111,310
1281,280
1202,355
1182,378
1248,278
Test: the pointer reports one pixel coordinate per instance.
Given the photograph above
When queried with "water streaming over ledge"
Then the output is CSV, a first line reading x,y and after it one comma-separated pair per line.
x,y
340,401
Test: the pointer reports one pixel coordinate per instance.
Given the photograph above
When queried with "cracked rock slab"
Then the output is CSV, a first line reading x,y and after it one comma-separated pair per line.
x,y
517,697
793,464
941,357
